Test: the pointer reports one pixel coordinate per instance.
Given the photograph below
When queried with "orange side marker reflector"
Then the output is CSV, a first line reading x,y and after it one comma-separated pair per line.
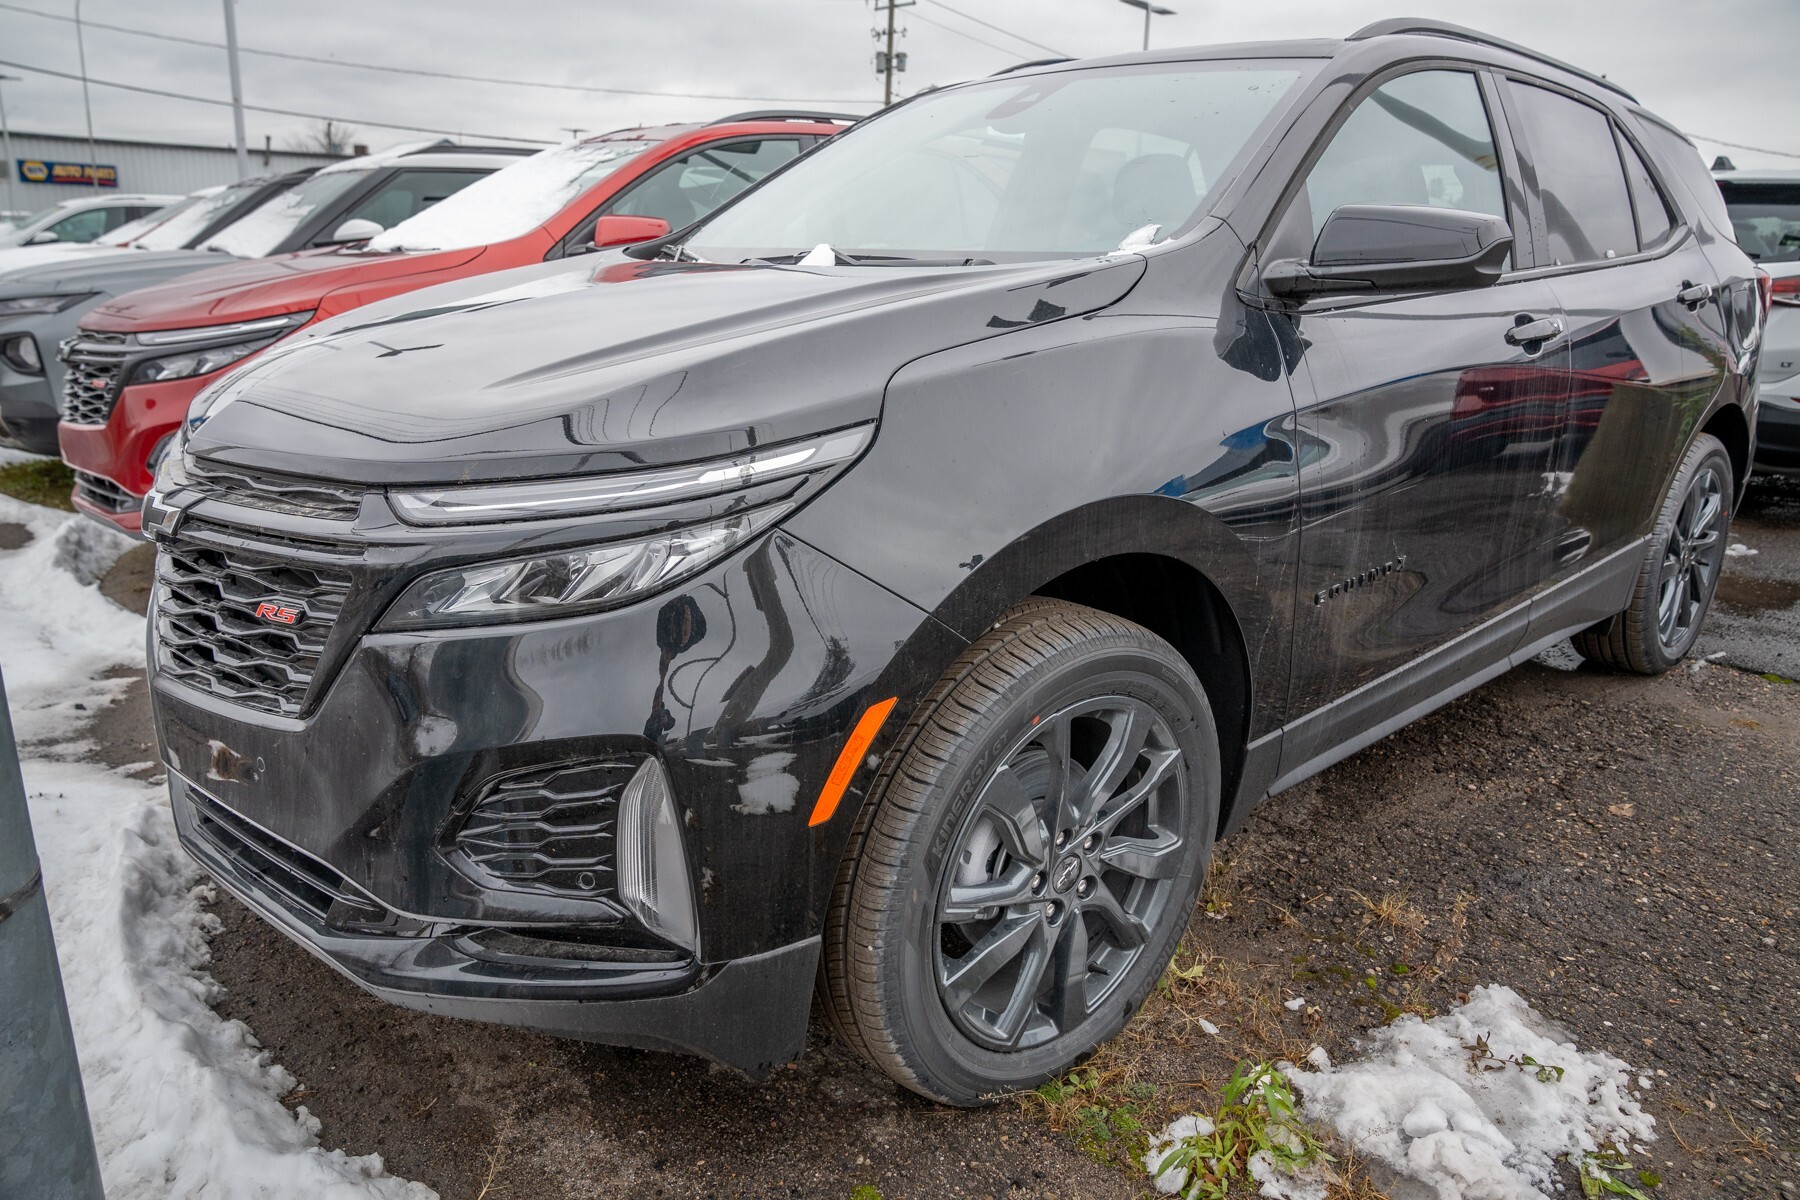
x,y
844,770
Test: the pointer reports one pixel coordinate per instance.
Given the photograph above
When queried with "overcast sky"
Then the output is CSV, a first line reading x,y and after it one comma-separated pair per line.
x,y
1719,69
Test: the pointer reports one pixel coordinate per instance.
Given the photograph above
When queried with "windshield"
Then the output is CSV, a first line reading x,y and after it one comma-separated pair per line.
x,y
265,227
1766,219
510,202
180,226
1053,166
132,230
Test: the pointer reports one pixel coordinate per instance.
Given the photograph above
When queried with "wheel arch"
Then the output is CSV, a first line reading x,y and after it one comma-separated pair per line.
x,y
1169,566
1731,426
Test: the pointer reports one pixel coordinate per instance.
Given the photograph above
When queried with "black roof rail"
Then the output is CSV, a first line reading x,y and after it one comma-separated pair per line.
x,y
1026,66
785,114
449,147
1394,25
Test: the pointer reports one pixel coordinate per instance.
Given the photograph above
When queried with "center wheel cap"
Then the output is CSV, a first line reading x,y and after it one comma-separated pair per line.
x,y
1067,872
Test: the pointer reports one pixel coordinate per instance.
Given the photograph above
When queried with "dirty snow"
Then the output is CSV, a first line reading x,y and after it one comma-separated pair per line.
x,y
1739,550
1467,1106
1421,1102
512,201
184,1102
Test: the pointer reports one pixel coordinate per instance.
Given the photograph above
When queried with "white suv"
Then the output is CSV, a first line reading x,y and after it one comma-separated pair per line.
x,y
82,219
1765,214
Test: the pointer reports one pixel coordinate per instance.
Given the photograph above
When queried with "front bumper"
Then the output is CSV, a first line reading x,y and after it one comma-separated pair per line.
x,y
112,461
749,1014
743,684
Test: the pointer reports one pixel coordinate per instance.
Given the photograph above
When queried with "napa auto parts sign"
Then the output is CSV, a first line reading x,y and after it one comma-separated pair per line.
x,y
39,170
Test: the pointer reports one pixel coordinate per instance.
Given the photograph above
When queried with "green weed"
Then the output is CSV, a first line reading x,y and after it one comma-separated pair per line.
x,y
1257,1115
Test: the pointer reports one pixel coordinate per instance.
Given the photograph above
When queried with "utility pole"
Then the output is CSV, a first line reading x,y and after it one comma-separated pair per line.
x,y
888,61
574,131
237,89
6,141
86,104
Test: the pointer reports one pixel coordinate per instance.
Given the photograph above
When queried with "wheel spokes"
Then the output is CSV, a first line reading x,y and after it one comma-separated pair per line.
x,y
1127,930
1147,858
1016,817
1001,945
975,902
1069,1001
1023,1001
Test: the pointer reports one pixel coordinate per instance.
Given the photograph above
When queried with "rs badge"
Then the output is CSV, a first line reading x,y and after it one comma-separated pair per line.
x,y
279,612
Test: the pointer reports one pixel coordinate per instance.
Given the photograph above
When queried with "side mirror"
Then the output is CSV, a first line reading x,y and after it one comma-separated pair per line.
x,y
356,229
622,231
42,238
1396,247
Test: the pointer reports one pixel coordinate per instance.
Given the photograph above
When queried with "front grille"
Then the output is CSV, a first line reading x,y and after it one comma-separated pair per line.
x,y
102,492
276,493
549,829
95,363
222,623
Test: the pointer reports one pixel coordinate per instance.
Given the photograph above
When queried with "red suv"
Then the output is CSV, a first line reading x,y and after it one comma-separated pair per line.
x,y
139,359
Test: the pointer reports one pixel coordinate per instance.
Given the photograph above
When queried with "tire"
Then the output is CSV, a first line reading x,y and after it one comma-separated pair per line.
x,y
1680,571
956,862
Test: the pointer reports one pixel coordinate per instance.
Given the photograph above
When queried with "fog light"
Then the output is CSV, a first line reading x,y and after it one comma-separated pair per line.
x,y
653,874
21,352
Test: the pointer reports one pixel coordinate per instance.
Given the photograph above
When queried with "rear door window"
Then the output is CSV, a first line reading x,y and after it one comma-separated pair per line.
x,y
1653,220
1581,182
83,226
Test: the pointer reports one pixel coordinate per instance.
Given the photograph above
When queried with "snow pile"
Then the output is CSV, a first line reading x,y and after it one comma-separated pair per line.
x,y
1479,1103
184,1102
1739,550
1168,1179
512,201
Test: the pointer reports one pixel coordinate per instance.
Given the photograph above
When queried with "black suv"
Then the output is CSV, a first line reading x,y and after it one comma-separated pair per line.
x,y
898,579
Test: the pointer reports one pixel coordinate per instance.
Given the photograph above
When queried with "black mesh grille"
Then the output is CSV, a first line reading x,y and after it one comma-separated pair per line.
x,y
91,383
102,492
550,829
244,627
277,493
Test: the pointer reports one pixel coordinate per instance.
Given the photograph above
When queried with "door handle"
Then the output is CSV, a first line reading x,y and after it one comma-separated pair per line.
x,y
1695,294
1526,330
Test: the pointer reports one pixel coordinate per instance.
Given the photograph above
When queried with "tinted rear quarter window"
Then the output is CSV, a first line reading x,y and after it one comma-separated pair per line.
x,y
1678,155
1653,219
1587,203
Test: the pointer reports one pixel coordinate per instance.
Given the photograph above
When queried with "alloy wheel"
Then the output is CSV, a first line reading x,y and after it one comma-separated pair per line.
x,y
1691,560
1061,872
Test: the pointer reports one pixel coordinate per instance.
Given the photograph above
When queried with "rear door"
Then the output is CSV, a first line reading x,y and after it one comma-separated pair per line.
x,y
1428,431
1645,328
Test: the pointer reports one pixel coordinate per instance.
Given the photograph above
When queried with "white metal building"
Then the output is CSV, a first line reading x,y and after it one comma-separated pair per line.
x,y
137,167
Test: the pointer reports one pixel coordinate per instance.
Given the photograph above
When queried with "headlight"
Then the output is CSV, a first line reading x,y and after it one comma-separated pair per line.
x,y
589,494
232,342
572,581
198,362
24,305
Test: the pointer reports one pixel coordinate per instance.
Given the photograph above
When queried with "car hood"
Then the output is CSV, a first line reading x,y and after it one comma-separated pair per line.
x,y
609,363
120,271
25,258
248,288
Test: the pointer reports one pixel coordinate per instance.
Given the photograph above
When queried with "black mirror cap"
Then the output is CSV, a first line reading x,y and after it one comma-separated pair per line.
x,y
1396,247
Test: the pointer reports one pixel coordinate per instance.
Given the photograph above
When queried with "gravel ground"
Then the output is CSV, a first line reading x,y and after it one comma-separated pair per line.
x,y
1621,851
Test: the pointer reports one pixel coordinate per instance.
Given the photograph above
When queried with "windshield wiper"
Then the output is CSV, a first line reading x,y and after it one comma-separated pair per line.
x,y
873,260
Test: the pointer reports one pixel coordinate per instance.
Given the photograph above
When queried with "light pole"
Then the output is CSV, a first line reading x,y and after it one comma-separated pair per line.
x,y
1149,9
237,89
12,205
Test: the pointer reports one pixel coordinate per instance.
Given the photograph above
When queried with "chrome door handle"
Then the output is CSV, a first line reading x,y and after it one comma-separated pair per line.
x,y
1695,294
1540,330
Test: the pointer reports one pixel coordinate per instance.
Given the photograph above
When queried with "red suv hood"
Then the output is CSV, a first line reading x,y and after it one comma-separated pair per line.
x,y
245,289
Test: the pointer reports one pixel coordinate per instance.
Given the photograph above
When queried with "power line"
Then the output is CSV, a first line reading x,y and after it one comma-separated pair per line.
x,y
990,25
1701,137
392,70
959,33
280,112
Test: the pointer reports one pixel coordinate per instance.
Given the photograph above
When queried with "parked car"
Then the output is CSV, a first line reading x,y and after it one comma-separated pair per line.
x,y
347,201
42,301
143,356
81,219
900,578
1765,213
